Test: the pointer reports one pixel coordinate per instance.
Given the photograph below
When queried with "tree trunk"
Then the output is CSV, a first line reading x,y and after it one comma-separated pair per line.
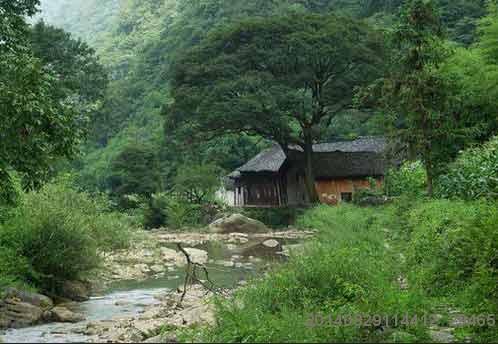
x,y
309,175
430,183
429,167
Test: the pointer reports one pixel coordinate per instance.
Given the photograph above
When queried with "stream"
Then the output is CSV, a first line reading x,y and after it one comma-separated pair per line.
x,y
126,299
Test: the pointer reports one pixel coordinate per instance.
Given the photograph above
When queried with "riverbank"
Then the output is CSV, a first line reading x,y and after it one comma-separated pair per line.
x,y
411,271
135,292
155,254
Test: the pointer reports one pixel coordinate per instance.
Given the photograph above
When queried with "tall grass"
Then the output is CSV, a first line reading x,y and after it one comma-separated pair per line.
x,y
442,250
55,234
348,270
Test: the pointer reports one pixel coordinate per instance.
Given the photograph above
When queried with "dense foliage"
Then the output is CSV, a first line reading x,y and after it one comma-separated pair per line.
x,y
473,175
354,267
283,78
40,112
56,234
139,40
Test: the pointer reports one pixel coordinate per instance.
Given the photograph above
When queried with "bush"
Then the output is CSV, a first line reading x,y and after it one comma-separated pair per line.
x,y
59,232
409,180
473,175
14,268
176,212
353,267
453,251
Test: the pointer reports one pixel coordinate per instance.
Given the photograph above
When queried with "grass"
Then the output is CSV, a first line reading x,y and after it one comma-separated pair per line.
x,y
55,234
353,268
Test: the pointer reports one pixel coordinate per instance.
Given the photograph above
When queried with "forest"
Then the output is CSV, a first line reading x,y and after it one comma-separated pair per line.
x,y
120,121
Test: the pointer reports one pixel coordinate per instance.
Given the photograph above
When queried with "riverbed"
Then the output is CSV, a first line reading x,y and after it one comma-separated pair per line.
x,y
133,301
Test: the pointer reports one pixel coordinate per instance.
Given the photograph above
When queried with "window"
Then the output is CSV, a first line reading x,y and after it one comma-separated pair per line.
x,y
347,196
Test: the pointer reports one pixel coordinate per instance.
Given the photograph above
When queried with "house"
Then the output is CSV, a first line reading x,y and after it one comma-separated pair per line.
x,y
272,179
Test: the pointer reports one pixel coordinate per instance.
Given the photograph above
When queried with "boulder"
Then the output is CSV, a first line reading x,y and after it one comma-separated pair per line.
x,y
64,315
171,256
75,290
237,223
198,315
34,299
168,253
17,314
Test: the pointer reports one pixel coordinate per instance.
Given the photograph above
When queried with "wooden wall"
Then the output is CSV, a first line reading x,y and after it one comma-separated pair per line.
x,y
330,191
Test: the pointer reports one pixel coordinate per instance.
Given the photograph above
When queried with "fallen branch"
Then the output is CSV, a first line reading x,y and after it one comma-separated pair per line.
x,y
192,278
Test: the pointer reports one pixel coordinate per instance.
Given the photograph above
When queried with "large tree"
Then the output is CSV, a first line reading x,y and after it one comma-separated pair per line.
x,y
38,121
80,75
282,78
422,99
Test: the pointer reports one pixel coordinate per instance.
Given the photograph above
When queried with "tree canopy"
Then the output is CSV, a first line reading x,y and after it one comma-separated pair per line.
x,y
39,121
283,78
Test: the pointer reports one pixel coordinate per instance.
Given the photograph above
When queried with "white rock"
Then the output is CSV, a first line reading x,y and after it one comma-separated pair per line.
x,y
157,268
271,243
168,254
197,256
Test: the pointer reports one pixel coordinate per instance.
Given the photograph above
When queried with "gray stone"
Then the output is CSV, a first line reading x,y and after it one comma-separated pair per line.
x,y
226,263
75,290
157,268
62,314
271,243
17,314
163,338
34,299
143,268
237,223
197,256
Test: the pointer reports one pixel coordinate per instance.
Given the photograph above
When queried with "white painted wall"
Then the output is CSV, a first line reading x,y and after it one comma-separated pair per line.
x,y
226,196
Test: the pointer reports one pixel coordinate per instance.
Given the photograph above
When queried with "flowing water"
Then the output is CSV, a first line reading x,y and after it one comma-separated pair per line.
x,y
130,298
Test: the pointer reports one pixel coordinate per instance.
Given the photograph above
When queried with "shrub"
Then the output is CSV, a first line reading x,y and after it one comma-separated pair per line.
x,y
197,184
409,179
14,268
473,175
346,271
176,212
453,251
59,231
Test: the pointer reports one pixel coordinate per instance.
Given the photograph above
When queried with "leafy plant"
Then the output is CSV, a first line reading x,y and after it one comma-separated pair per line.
x,y
408,180
473,175
59,232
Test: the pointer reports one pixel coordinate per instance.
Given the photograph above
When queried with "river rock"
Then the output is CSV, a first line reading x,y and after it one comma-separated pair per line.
x,y
171,256
34,299
163,338
258,249
75,290
197,256
225,263
62,314
271,243
143,268
157,268
17,314
237,223
198,315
